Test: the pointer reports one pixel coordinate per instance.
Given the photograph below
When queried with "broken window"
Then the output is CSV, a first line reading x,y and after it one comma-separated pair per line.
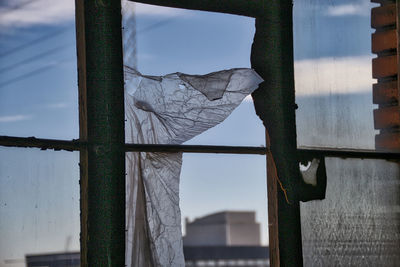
x,y
357,221
169,110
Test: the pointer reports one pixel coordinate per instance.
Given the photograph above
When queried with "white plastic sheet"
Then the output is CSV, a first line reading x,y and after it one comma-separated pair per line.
x,y
169,110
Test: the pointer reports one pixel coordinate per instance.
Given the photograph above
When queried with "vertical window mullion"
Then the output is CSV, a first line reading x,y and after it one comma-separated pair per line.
x,y
101,101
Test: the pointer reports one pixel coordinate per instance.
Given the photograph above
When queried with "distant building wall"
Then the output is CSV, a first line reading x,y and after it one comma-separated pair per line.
x,y
209,235
228,228
226,256
244,234
66,259
223,239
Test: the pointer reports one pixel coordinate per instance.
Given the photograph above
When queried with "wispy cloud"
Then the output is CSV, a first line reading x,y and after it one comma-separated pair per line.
x,y
333,75
352,9
323,76
22,13
15,118
36,12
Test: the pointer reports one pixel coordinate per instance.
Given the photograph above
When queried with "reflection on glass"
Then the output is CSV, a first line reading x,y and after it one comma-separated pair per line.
x,y
39,203
333,73
358,222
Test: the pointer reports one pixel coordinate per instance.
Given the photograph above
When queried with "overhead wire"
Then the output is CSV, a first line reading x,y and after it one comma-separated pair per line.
x,y
48,66
34,72
34,58
35,41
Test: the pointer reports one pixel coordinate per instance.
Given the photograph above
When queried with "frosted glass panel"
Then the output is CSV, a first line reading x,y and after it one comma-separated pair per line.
x,y
332,49
358,223
39,203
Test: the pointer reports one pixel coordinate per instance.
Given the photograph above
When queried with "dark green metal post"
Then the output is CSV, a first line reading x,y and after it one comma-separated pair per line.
x,y
100,64
272,58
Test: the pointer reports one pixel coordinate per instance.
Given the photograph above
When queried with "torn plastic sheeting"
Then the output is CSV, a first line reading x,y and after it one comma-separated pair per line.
x,y
170,109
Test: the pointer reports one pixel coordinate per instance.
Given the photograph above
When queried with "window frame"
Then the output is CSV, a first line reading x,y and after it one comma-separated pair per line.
x,y
103,177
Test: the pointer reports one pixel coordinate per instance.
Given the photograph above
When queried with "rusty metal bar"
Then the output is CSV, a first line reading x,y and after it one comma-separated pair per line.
x,y
252,8
77,145
318,152
196,149
68,145
302,152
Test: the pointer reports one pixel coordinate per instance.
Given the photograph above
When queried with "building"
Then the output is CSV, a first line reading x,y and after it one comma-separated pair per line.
x,y
227,228
226,256
228,238
63,259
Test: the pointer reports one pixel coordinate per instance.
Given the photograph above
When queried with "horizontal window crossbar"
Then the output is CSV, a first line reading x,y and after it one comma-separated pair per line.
x,y
318,152
68,145
75,145
195,149
303,152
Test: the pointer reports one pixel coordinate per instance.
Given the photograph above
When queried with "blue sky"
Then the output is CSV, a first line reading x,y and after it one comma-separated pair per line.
x,y
38,97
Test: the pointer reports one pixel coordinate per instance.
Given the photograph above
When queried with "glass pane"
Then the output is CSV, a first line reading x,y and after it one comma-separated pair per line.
x,y
333,62
38,73
358,222
39,197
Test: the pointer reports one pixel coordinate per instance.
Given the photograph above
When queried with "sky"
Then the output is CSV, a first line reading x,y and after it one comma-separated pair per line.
x,y
39,190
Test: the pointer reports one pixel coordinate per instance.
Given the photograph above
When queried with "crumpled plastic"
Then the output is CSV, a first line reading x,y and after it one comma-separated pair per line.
x,y
170,109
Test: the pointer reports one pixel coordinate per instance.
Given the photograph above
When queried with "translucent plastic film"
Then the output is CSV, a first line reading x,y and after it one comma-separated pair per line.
x,y
169,110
